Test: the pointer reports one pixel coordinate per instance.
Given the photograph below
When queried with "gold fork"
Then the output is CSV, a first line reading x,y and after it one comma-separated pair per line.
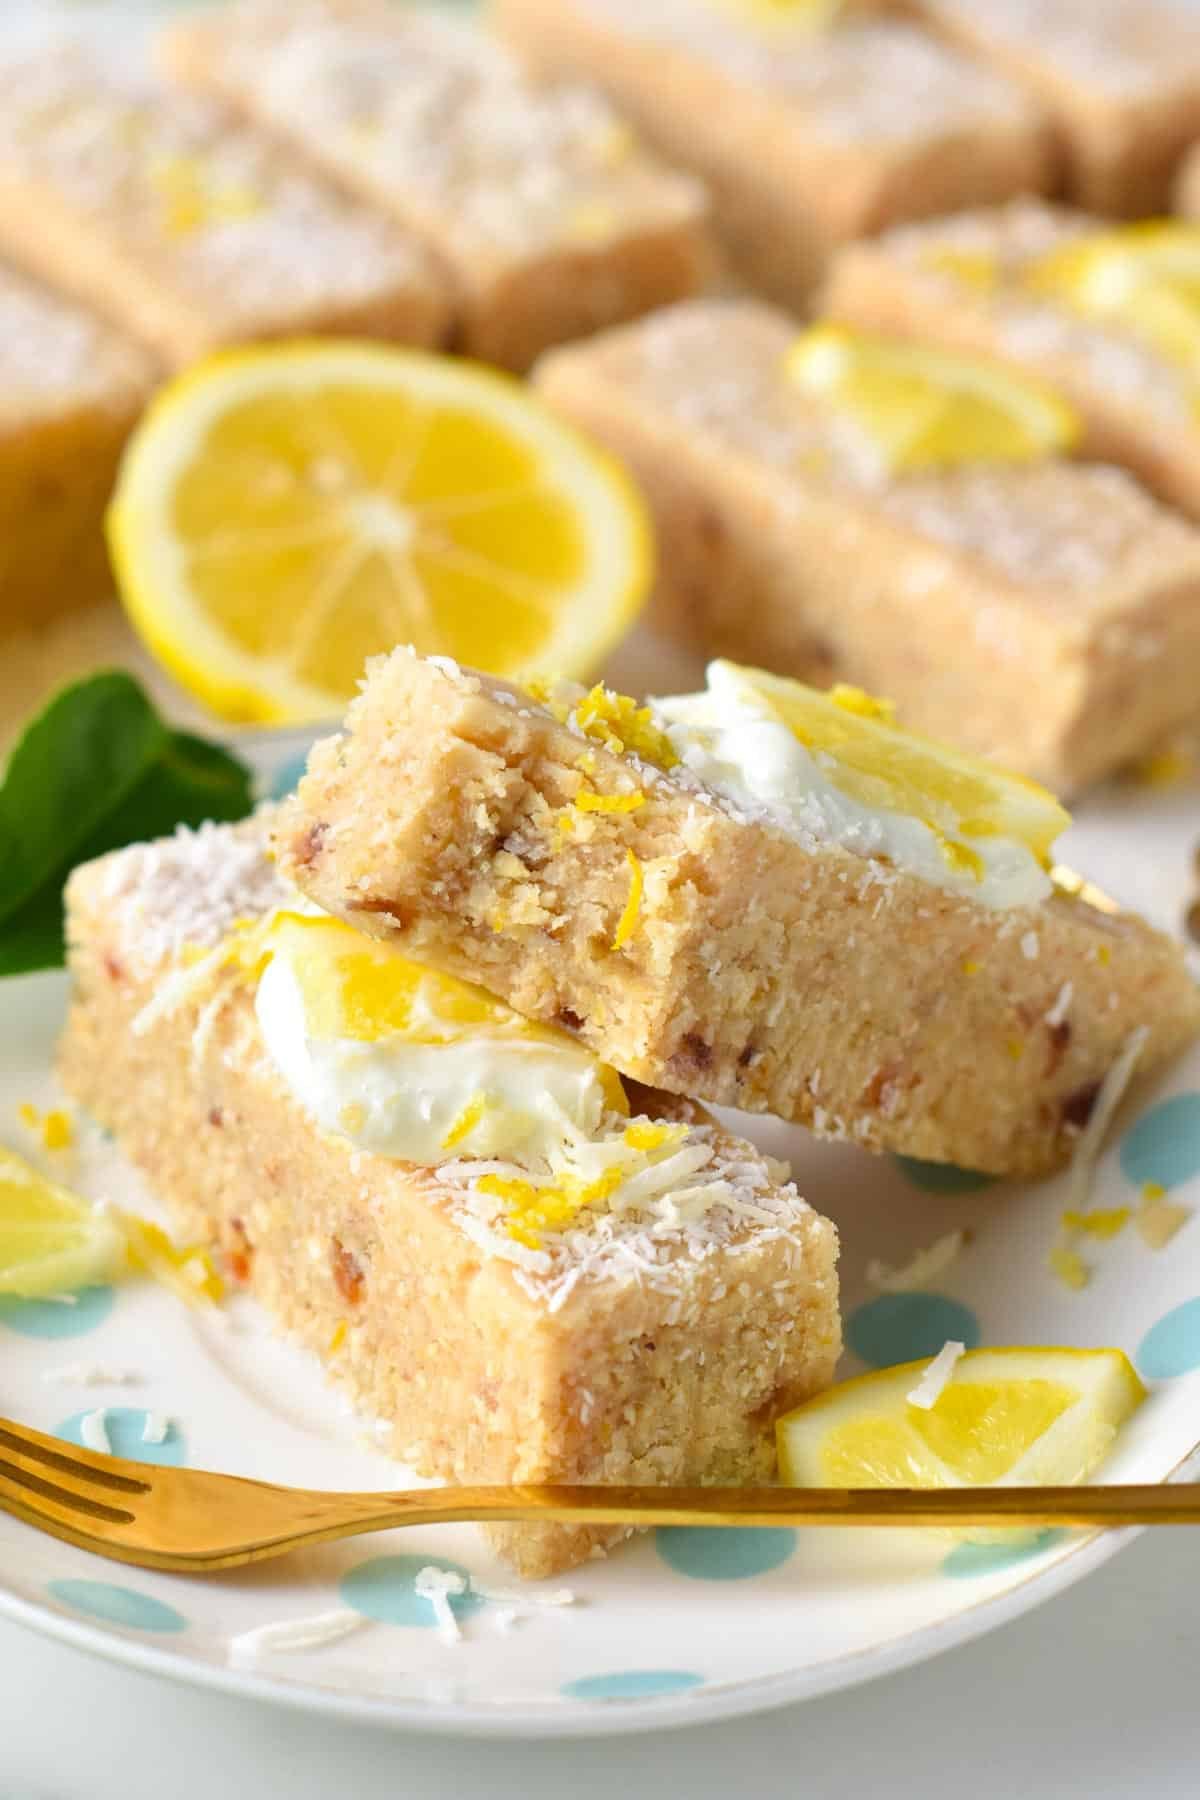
x,y
192,1523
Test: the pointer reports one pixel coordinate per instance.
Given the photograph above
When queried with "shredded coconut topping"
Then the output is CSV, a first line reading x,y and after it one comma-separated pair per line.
x,y
188,891
93,1430
437,1586
83,1374
1091,1141
932,1384
921,1269
313,1633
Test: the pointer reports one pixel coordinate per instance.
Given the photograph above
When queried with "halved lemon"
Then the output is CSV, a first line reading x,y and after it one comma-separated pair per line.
x,y
931,409
1011,1417
51,1241
887,769
283,513
1145,277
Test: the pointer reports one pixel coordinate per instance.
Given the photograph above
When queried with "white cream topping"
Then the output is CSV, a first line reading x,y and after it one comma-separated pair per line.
x,y
406,1095
730,738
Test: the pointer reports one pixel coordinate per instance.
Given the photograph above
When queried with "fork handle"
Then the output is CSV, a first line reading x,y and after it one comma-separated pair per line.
x,y
984,1507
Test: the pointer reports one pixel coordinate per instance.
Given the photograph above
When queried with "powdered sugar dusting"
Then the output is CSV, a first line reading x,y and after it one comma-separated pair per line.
x,y
242,234
872,83
56,359
188,891
435,119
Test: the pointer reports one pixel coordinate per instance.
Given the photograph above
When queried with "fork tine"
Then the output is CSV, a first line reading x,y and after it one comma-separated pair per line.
x,y
24,1446
21,1486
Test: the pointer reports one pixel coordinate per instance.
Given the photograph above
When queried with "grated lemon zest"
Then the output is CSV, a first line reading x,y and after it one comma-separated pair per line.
x,y
1069,1267
1158,1222
466,1121
622,726
338,1338
627,923
56,1130
587,800
1105,1222
187,1270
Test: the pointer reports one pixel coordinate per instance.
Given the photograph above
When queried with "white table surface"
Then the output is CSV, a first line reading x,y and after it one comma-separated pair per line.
x,y
1094,1694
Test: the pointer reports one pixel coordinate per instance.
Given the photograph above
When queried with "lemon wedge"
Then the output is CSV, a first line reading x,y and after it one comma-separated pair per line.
x,y
1010,1417
51,1241
283,513
928,409
1145,277
885,769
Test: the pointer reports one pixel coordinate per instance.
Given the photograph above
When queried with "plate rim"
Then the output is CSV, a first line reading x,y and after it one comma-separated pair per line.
x,y
530,1721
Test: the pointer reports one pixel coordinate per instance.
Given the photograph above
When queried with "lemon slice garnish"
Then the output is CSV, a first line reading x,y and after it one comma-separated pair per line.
x,y
1013,1416
284,513
1144,277
928,409
51,1241
889,770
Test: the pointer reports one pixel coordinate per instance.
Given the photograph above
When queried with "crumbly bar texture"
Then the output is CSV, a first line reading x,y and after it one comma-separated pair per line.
x,y
805,140
1119,78
697,946
70,391
962,283
624,1353
547,216
185,229
1046,615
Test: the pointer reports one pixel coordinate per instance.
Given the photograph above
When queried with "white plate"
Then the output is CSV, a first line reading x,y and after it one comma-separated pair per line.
x,y
675,1628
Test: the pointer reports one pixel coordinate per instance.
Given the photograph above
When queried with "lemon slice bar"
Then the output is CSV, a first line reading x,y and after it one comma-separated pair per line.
x,y
70,391
1119,78
999,282
651,1334
1045,613
806,139
185,229
860,936
548,217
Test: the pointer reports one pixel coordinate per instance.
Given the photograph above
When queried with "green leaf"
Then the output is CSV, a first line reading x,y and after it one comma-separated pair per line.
x,y
96,770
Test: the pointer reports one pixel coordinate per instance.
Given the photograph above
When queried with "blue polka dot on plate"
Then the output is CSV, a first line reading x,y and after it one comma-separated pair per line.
x,y
287,776
991,1559
1164,1145
1172,1346
712,1553
631,1684
86,1308
125,1426
114,1605
384,1588
898,1328
942,1178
